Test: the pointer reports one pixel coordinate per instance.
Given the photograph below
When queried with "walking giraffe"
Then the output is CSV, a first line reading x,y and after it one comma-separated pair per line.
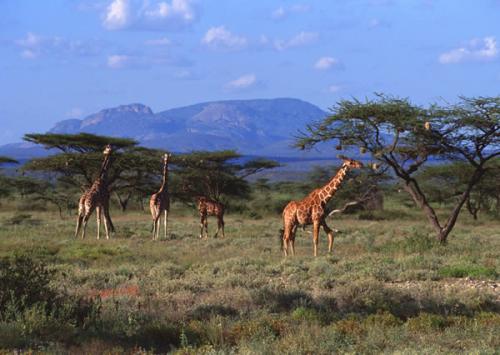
x,y
311,210
96,198
208,207
160,202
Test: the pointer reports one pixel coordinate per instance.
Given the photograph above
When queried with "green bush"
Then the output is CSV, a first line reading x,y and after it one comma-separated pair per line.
x,y
468,270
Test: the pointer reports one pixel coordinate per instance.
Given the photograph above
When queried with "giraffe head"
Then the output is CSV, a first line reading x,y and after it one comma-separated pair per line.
x,y
107,150
351,163
166,157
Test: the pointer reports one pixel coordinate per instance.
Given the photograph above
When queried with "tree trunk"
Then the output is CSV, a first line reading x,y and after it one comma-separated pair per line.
x,y
123,202
411,186
442,232
473,210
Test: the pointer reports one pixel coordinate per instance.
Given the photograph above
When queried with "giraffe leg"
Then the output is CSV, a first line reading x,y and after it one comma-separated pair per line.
x,y
166,223
219,226
292,240
202,223
328,231
316,226
98,216
286,238
78,224
85,221
205,224
107,225
222,225
108,217
156,227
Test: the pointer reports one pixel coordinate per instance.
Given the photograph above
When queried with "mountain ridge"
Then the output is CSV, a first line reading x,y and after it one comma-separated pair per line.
x,y
263,127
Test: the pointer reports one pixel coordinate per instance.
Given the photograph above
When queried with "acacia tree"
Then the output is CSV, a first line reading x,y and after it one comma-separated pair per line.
x,y
404,137
455,176
5,182
79,160
214,174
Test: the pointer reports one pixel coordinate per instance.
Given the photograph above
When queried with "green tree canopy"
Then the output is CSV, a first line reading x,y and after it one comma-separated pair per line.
x,y
133,170
7,160
214,174
403,137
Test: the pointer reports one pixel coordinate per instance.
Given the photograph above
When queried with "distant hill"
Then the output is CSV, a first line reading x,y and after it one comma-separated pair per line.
x,y
258,127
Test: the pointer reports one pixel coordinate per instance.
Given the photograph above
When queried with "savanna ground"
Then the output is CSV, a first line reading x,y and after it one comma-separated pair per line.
x,y
387,287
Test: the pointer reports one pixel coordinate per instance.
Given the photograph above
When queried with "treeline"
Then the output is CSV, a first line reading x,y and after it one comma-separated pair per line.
x,y
439,156
135,173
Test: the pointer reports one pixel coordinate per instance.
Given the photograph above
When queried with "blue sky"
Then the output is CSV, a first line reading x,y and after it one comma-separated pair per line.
x,y
66,59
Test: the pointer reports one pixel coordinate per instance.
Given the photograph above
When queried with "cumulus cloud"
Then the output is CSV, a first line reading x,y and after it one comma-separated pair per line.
x,y
244,82
149,15
283,11
220,38
117,15
476,49
325,63
34,45
299,40
118,61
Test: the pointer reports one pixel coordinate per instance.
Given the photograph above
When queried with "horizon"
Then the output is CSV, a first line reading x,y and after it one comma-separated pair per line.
x,y
69,59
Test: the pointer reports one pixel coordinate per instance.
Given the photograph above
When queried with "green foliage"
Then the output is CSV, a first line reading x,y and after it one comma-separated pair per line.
x,y
380,291
468,270
404,137
214,174
81,142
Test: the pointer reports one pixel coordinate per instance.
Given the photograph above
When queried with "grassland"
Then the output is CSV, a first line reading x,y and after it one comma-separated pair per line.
x,y
387,287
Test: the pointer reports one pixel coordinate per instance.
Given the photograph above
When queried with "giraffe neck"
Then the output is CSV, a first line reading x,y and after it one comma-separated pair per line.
x,y
164,181
104,168
333,185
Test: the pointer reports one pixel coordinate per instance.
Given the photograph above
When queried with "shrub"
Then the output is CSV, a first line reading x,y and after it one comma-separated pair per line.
x,y
28,301
426,322
468,270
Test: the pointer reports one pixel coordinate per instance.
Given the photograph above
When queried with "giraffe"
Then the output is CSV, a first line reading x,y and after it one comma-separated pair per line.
x,y
208,207
96,197
160,202
311,210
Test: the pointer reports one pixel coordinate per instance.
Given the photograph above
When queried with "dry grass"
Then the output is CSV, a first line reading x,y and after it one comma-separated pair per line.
x,y
387,286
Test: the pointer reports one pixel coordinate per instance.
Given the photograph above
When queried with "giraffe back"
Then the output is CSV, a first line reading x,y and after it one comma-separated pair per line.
x,y
209,207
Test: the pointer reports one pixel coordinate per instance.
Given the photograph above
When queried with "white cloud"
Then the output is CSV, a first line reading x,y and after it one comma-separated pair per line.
x,y
334,88
299,40
149,14
278,13
244,82
117,15
33,46
283,11
118,61
476,49
325,63
164,41
220,38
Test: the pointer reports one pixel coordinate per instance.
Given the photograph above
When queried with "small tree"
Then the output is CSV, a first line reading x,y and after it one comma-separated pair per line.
x,y
214,174
133,170
404,137
5,182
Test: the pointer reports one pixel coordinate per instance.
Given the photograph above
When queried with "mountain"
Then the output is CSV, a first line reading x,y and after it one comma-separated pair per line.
x,y
264,127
